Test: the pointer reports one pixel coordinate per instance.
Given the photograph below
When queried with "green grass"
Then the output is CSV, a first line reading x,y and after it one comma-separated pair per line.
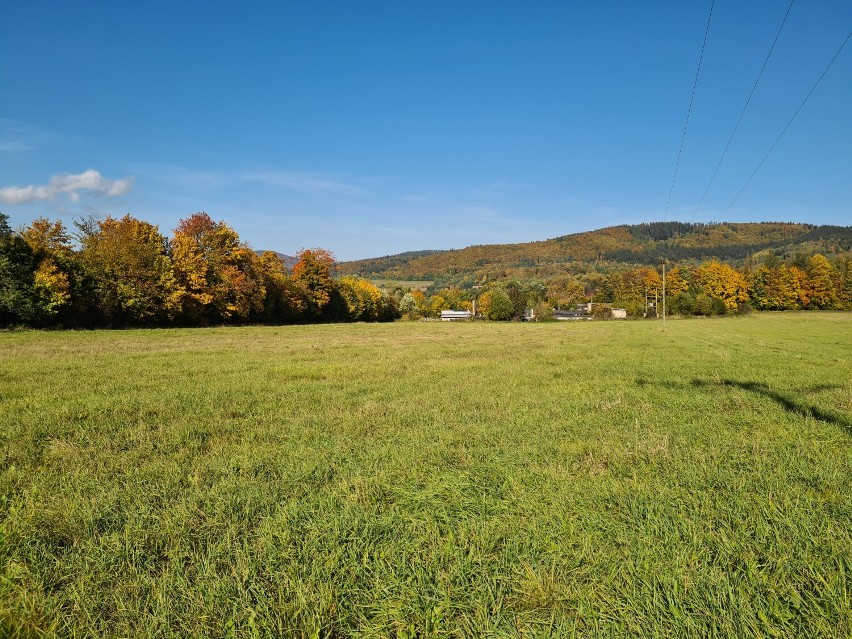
x,y
430,479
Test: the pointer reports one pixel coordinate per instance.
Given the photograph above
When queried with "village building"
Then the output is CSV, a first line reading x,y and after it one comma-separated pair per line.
x,y
451,316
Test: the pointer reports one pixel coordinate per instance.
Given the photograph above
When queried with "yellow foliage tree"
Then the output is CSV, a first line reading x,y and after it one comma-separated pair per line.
x,y
52,287
676,282
47,238
483,303
722,282
51,248
823,282
364,301
132,270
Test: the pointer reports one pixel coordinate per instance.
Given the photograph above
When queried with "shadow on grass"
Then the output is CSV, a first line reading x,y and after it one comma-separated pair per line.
x,y
818,388
787,403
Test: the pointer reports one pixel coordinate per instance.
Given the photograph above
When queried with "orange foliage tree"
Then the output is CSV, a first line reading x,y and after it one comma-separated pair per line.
x,y
218,273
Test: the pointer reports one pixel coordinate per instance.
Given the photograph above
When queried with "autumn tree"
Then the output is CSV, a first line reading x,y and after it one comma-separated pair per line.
x,y
676,281
218,274
133,274
722,282
777,286
286,300
456,298
50,244
632,285
313,270
823,280
420,297
844,281
566,292
364,301
483,303
437,303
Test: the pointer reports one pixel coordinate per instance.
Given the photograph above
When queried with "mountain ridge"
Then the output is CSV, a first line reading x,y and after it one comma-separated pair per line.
x,y
605,248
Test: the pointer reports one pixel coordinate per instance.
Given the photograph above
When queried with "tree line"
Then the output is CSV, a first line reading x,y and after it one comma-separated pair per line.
x,y
711,288
122,272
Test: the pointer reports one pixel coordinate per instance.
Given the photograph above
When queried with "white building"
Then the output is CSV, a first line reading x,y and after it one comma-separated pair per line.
x,y
450,316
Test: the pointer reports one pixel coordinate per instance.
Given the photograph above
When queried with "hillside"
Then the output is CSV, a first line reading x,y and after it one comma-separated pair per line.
x,y
600,250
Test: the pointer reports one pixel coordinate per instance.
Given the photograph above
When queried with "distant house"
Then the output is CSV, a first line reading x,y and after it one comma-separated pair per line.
x,y
579,312
451,316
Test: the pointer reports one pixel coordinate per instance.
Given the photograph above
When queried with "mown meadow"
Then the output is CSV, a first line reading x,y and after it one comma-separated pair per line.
x,y
593,479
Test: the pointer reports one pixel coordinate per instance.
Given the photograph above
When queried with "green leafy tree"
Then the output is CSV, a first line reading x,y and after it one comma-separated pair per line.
x,y
408,306
500,306
518,296
17,273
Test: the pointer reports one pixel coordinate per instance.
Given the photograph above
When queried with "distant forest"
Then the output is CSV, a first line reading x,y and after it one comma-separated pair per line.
x,y
613,248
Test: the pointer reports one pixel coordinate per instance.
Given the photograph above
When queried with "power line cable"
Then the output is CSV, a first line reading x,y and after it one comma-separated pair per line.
x,y
742,113
689,110
680,148
784,130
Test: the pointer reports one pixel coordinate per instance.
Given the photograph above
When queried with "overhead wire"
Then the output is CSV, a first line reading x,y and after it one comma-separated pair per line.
x,y
787,126
682,138
689,110
743,112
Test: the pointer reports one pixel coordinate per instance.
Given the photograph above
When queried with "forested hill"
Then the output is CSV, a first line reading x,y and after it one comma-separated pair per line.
x,y
641,244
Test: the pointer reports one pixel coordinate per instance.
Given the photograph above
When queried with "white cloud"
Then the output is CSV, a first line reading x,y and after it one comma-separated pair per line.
x,y
12,147
69,185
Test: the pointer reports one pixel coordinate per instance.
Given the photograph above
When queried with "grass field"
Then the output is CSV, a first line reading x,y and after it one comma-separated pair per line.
x,y
599,479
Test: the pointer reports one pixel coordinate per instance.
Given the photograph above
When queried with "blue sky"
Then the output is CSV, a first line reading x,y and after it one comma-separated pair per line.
x,y
371,128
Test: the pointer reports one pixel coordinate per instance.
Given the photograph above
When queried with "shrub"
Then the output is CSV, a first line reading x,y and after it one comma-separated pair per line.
x,y
703,305
683,304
